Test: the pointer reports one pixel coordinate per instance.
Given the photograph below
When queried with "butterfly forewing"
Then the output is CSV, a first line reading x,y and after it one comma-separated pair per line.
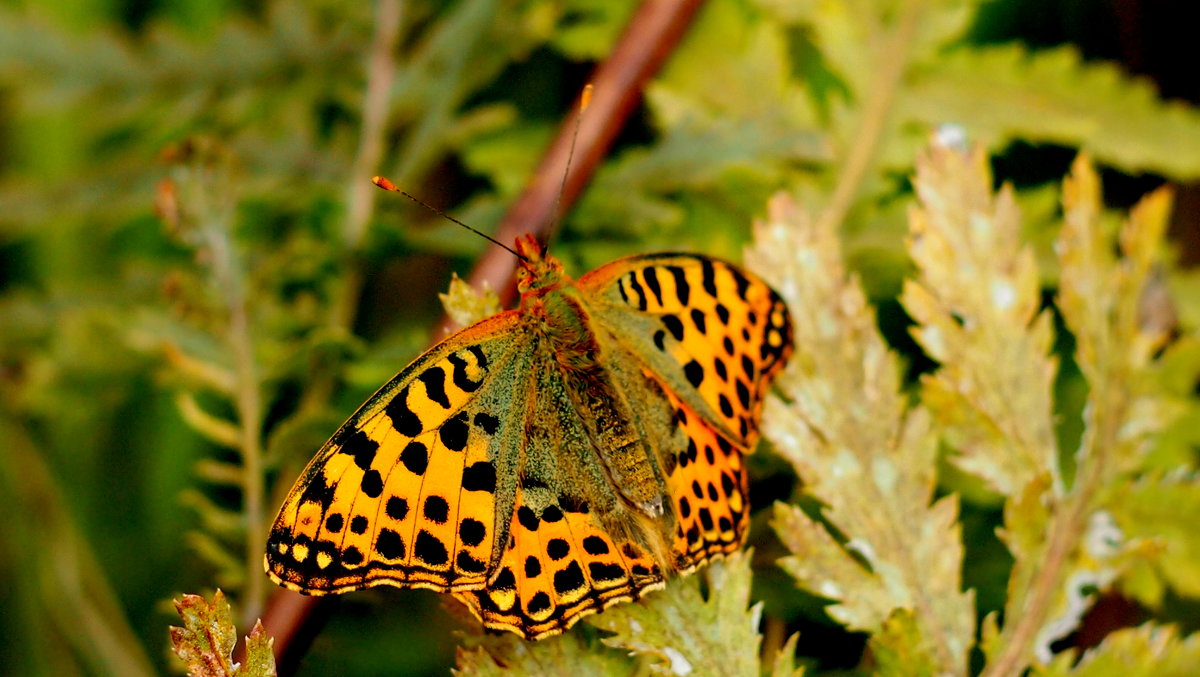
x,y
405,492
714,334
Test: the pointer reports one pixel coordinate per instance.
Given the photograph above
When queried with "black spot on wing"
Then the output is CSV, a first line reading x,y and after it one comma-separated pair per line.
x,y
434,379
465,562
699,320
479,476
436,509
682,290
538,603
708,277
403,419
471,531
318,492
454,432
748,367
694,373
372,483
487,423
636,288
652,283
568,579
674,326
533,567
527,518
594,545
558,548
725,406
605,572
505,580
722,313
743,285
397,508
430,550
459,374
389,544
685,507
415,457
361,447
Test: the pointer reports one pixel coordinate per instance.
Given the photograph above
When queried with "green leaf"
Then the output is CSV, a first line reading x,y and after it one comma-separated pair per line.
x,y
566,655
976,301
1005,93
1162,513
679,631
861,450
205,642
465,305
260,659
785,660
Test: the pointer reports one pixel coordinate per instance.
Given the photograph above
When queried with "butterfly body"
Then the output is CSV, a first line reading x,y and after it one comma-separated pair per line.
x,y
555,459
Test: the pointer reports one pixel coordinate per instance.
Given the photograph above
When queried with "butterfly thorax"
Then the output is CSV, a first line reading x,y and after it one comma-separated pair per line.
x,y
550,300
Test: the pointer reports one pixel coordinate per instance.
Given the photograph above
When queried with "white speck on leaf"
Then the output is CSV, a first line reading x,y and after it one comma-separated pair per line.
x,y
1003,295
679,664
1104,537
830,589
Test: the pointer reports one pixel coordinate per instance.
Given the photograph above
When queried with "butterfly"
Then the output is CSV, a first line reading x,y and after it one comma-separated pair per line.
x,y
550,461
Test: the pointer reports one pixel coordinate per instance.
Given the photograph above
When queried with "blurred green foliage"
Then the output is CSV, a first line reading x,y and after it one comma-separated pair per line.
x,y
195,291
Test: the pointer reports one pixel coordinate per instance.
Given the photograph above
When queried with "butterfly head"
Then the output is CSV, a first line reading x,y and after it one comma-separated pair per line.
x,y
538,271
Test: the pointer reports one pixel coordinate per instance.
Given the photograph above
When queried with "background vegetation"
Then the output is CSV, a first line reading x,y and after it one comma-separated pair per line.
x,y
197,285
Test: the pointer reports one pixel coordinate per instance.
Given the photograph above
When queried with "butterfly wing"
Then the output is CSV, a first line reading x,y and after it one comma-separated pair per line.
x,y
713,333
712,337
406,492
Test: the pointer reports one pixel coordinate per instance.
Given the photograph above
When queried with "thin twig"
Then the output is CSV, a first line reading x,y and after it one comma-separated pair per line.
x,y
649,38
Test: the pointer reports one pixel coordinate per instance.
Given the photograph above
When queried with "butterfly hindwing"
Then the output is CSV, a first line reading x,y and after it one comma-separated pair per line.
x,y
405,492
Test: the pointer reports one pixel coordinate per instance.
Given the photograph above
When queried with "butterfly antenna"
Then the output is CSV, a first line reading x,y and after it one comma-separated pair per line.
x,y
585,99
385,184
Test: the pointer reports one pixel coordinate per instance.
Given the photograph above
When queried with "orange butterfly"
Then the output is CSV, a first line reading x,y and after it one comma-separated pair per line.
x,y
553,460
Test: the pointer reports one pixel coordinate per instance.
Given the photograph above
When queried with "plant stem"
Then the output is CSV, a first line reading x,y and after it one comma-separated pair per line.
x,y
249,409
1066,532
216,229
875,115
360,202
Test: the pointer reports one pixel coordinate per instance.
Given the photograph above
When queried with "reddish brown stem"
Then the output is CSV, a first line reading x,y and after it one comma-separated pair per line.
x,y
650,36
